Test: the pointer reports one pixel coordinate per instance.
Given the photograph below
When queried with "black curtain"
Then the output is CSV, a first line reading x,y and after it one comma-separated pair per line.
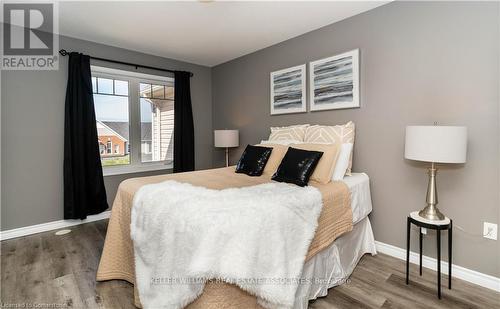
x,y
84,192
183,124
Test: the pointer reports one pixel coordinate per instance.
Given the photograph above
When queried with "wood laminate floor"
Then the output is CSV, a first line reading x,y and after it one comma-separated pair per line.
x,y
60,271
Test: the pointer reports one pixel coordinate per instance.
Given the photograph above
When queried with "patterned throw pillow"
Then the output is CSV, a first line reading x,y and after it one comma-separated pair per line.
x,y
330,135
285,142
295,133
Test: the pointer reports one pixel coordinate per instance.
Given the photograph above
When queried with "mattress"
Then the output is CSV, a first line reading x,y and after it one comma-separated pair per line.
x,y
361,202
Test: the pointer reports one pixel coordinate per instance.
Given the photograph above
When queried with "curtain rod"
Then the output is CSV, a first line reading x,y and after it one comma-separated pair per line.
x,y
63,52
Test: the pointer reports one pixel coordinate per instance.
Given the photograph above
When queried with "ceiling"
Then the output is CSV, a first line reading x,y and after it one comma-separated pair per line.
x,y
201,32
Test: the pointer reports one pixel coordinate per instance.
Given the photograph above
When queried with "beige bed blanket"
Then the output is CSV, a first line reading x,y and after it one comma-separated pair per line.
x,y
117,260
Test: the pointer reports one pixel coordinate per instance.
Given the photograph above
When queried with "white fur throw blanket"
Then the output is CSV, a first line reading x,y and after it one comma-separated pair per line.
x,y
255,237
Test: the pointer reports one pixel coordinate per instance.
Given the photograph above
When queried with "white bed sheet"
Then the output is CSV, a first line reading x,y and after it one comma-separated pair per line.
x,y
334,265
361,202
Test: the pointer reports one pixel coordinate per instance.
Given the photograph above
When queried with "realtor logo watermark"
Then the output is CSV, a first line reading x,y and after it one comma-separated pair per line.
x,y
30,40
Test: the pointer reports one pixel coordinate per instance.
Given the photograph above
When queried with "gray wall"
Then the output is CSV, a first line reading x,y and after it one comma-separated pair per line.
x,y
420,63
32,114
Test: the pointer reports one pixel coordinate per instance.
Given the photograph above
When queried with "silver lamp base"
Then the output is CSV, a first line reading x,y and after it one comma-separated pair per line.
x,y
431,212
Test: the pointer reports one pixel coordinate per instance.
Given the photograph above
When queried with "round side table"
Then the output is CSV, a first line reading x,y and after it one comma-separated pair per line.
x,y
446,224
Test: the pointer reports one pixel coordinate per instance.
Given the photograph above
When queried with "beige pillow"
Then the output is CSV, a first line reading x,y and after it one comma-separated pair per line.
x,y
324,170
295,133
274,160
339,134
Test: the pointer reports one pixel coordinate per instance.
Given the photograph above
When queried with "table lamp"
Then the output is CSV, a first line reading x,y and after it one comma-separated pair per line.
x,y
435,144
226,139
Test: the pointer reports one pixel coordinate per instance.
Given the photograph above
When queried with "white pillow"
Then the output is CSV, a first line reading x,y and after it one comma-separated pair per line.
x,y
342,162
285,142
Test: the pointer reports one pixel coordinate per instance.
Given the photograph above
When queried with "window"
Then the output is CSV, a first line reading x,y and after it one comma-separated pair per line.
x,y
146,148
111,102
157,121
135,120
109,145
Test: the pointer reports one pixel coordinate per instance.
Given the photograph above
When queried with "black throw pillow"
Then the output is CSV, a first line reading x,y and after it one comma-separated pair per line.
x,y
253,160
297,166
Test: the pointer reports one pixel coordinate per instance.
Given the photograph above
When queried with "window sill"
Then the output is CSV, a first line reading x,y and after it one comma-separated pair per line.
x,y
122,170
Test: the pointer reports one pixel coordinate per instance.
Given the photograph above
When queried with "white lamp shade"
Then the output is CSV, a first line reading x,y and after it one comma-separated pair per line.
x,y
439,144
226,138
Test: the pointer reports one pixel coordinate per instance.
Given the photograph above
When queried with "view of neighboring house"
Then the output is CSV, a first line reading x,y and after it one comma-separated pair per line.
x,y
113,139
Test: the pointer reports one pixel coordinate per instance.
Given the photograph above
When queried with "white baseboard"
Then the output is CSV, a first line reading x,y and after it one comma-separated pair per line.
x,y
460,272
49,226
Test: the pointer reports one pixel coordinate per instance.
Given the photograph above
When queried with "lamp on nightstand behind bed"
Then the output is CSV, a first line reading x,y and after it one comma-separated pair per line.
x,y
435,144
226,139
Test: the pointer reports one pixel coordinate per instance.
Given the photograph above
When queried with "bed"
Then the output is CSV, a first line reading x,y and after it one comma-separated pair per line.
x,y
344,234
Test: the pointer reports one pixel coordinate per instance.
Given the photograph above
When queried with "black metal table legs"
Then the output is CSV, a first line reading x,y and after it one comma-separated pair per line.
x,y
438,236
450,235
438,229
420,247
408,224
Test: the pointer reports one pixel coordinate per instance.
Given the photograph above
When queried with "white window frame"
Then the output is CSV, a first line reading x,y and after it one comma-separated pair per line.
x,y
136,165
